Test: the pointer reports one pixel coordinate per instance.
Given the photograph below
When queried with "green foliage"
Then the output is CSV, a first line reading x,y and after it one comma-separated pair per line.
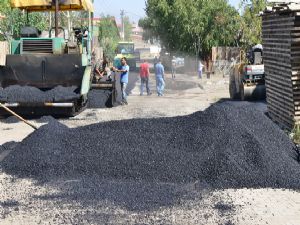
x,y
251,24
192,26
15,19
295,134
148,33
108,36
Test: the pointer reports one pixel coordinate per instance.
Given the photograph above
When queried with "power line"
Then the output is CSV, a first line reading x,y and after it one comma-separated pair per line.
x,y
123,26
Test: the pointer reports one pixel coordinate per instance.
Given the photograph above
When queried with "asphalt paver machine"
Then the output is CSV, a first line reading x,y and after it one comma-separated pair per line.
x,y
46,63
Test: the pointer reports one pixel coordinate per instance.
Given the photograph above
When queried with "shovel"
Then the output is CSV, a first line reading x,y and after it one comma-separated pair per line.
x,y
19,117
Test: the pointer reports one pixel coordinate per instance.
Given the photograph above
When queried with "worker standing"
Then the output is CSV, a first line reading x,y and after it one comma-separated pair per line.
x,y
124,70
200,69
173,67
160,78
144,74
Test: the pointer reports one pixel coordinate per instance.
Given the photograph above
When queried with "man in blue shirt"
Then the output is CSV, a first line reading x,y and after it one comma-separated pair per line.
x,y
160,78
124,69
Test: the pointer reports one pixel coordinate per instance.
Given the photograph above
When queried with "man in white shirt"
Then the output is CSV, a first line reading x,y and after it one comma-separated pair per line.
x,y
173,68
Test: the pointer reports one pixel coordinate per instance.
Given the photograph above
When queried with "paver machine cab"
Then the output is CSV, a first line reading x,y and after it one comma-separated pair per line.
x,y
46,63
126,49
247,78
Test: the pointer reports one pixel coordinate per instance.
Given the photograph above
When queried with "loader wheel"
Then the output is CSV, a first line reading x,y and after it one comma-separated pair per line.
x,y
247,92
242,92
232,91
253,92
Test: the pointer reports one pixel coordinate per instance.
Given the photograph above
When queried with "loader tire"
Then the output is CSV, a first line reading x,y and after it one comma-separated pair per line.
x,y
242,92
234,95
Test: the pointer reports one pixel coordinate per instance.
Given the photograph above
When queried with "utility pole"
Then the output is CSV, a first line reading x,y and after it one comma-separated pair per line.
x,y
123,26
69,23
56,17
50,20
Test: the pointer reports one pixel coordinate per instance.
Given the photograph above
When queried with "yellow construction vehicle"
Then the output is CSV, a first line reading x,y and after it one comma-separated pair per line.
x,y
51,62
247,77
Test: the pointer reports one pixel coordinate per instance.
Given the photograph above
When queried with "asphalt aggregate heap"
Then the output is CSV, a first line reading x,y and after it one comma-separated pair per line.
x,y
227,146
99,99
29,94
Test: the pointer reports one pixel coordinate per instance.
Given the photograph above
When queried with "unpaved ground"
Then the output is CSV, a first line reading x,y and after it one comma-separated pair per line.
x,y
183,96
90,200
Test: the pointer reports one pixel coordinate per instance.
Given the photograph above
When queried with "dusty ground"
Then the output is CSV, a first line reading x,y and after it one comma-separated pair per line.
x,y
93,201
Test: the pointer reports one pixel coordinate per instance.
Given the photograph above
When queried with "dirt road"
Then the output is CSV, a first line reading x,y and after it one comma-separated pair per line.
x,y
183,96
90,200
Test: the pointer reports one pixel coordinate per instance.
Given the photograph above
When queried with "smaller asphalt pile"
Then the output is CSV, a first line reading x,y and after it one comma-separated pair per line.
x,y
99,99
230,145
29,94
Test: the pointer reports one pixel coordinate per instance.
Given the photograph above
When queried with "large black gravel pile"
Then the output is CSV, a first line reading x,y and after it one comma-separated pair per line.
x,y
227,146
28,94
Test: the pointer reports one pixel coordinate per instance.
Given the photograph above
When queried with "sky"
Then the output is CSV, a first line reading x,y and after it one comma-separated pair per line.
x,y
134,9
235,3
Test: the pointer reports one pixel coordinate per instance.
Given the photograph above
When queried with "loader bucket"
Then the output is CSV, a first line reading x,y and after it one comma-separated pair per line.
x,y
43,84
43,71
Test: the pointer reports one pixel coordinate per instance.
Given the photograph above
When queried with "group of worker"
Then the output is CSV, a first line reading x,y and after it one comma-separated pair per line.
x,y
159,75
101,69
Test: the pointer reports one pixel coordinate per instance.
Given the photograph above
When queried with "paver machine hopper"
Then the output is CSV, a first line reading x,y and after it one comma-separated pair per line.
x,y
51,62
247,78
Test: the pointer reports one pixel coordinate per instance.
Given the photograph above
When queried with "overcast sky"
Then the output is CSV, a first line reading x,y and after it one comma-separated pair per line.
x,y
133,8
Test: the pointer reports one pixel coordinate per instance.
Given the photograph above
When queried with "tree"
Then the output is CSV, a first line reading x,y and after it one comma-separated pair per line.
x,y
251,23
108,35
148,34
15,19
192,26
